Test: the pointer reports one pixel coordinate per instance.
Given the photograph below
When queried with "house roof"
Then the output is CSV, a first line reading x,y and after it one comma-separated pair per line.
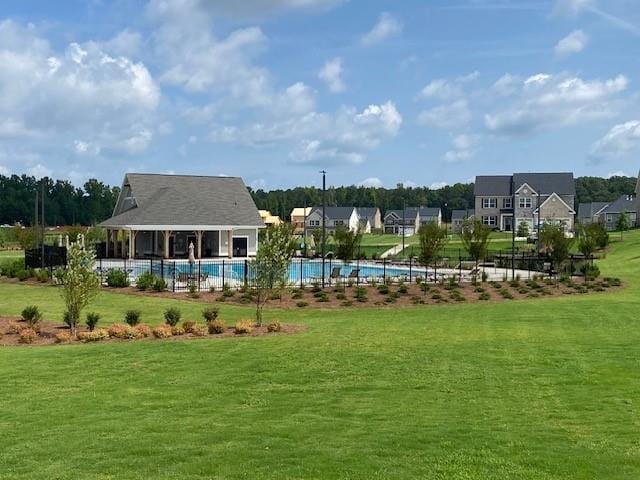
x,y
588,210
166,200
339,213
300,211
462,214
409,213
624,203
429,211
561,183
368,212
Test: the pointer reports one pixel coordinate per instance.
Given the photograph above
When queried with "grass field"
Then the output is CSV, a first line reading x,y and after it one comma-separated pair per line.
x,y
11,254
542,389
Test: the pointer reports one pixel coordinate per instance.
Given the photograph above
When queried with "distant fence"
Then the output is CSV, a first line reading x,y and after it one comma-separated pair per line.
x,y
217,274
53,257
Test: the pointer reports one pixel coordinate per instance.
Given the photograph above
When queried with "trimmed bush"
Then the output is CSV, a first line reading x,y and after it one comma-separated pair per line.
x,y
341,296
347,303
117,330
42,275
172,316
143,330
403,289
188,326
210,314
199,330
243,327
301,304
216,327
484,296
590,272
383,289
117,278
62,337
162,331
94,336
145,281
28,335
274,326
159,284
177,330
92,320
31,314
15,328
132,317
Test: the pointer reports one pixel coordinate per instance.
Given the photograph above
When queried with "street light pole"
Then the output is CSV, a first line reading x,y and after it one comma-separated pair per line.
x,y
513,230
43,224
404,225
324,216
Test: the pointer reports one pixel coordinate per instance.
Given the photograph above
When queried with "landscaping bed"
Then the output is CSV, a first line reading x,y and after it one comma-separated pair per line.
x,y
49,333
345,296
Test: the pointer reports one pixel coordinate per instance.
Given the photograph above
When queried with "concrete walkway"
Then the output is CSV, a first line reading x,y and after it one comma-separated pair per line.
x,y
392,251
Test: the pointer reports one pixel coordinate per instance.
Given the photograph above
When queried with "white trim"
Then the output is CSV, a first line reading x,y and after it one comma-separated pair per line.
x,y
571,210
502,218
526,184
180,228
241,236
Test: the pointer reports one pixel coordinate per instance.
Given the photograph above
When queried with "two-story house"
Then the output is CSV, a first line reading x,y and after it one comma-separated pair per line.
x,y
335,217
372,215
298,218
532,198
610,215
458,217
410,219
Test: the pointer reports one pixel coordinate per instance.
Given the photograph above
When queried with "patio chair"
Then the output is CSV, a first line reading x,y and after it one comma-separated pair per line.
x,y
335,274
182,277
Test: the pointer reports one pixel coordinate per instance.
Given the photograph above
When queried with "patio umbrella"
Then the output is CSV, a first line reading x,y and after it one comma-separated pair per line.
x,y
192,257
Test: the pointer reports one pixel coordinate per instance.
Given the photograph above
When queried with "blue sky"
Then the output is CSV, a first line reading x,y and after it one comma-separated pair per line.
x,y
377,93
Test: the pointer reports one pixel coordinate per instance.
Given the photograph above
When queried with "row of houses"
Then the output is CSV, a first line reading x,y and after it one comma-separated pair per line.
x,y
365,219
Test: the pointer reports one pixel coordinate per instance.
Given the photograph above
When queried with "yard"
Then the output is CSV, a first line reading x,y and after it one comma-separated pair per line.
x,y
527,389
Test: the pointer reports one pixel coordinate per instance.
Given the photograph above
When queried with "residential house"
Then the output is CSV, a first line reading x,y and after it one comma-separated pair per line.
x,y
590,212
611,213
162,215
269,219
458,218
372,214
335,217
401,222
430,215
298,218
534,198
638,201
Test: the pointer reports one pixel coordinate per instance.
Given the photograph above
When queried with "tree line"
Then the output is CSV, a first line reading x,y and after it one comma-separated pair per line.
x,y
92,203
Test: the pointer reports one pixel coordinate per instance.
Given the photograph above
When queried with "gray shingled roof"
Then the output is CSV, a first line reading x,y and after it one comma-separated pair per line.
x,y
367,212
544,183
335,213
588,210
462,214
186,200
409,213
429,211
624,203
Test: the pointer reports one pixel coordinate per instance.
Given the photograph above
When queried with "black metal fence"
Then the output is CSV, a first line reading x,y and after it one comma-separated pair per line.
x,y
45,257
218,274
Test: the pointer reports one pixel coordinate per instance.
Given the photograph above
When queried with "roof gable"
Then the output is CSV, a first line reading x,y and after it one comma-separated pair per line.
x,y
551,198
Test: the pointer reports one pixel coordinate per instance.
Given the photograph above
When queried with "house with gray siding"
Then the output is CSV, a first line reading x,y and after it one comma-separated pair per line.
x,y
335,217
410,219
532,198
611,213
160,216
372,215
590,212
638,201
458,217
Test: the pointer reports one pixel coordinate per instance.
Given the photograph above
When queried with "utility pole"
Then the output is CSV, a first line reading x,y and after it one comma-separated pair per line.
x,y
404,208
324,216
43,223
513,229
538,234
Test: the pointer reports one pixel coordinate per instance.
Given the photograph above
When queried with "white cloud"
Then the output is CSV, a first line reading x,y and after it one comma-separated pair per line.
x,y
449,116
575,42
545,101
463,148
506,85
331,75
620,140
80,92
345,136
441,89
39,171
4,171
617,173
438,185
126,43
574,8
250,10
571,7
372,182
387,26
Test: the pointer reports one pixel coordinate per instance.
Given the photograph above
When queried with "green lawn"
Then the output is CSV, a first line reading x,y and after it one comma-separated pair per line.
x,y
543,389
11,254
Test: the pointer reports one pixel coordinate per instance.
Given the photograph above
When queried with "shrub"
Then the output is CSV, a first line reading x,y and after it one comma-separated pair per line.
x,y
162,331
10,268
27,335
94,336
243,327
436,296
177,330
188,326
319,294
145,281
210,314
506,294
403,289
221,299
590,272
199,330
31,314
347,303
297,295
274,326
614,282
301,304
322,298
92,320
425,287
514,283
42,275
14,328
132,317
360,294
143,330
484,296
383,289
22,274
316,287
341,296
159,284
216,326
117,278
275,296
479,290
62,337
117,330
172,316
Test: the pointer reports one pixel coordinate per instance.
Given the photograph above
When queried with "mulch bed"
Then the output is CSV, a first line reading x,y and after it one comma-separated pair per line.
x,y
333,298
48,331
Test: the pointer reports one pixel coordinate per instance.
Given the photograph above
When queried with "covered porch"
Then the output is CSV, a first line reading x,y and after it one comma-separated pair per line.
x,y
146,243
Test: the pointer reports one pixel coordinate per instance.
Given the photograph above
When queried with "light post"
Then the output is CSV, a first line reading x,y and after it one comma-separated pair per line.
x,y
324,216
404,225
513,230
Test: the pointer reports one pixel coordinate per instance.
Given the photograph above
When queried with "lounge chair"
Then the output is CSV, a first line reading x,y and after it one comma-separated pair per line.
x,y
335,274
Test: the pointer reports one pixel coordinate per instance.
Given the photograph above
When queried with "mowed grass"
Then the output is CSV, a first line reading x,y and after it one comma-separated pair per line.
x,y
544,389
11,254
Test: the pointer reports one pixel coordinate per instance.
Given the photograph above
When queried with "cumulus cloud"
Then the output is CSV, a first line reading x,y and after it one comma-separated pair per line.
x,y
544,101
345,136
39,171
575,42
441,89
372,182
80,91
620,140
448,116
331,75
387,26
4,171
463,148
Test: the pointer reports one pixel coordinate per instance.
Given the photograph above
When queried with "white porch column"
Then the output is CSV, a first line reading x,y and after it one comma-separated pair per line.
x,y
230,243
